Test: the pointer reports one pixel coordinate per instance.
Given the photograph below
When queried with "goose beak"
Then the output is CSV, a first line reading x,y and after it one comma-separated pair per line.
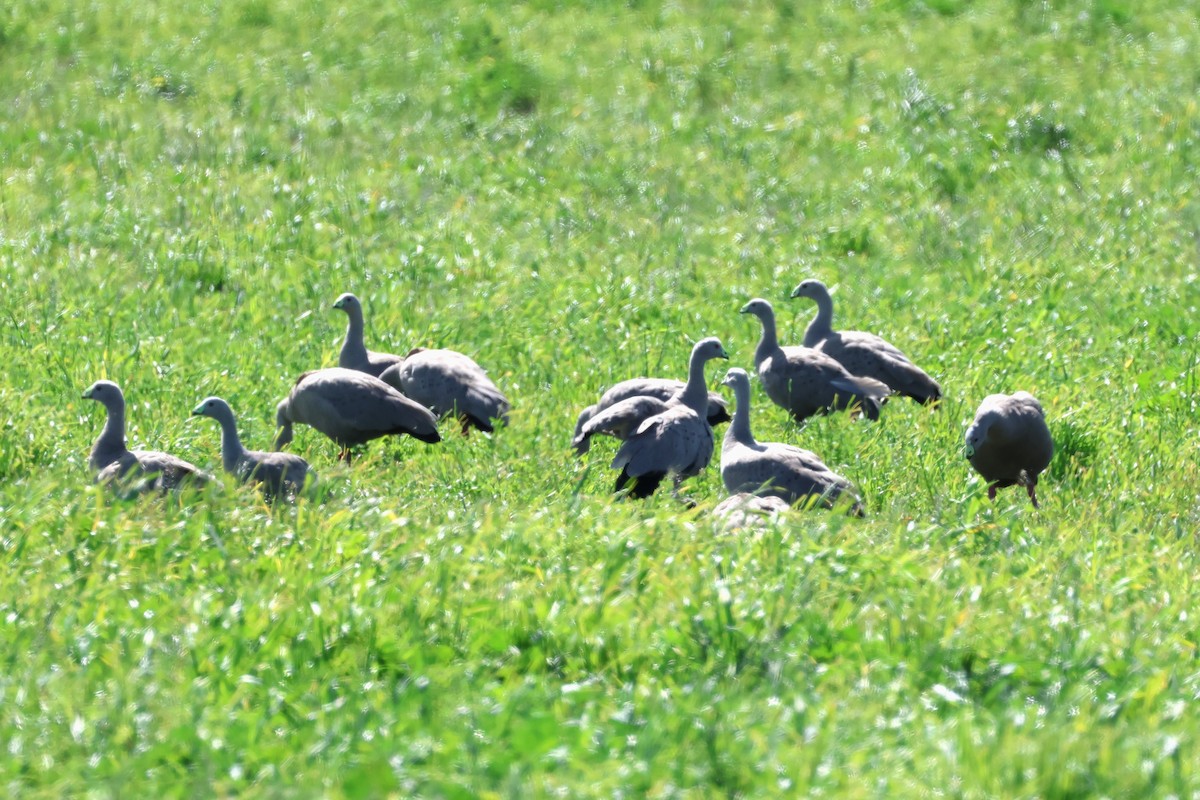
x,y
797,292
745,309
197,411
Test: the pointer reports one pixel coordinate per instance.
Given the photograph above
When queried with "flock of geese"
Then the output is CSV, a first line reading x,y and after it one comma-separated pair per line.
x,y
665,426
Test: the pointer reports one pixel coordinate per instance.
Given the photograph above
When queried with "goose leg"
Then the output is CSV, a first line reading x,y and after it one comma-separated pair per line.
x,y
992,491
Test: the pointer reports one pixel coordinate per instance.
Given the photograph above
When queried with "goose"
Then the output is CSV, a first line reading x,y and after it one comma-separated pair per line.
x,y
111,461
1009,443
277,473
804,381
790,473
864,354
676,442
351,408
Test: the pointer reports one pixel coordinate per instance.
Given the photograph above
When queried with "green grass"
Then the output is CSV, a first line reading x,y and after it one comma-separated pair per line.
x,y
573,194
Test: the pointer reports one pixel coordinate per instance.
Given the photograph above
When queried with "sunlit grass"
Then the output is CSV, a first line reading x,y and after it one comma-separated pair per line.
x,y
573,195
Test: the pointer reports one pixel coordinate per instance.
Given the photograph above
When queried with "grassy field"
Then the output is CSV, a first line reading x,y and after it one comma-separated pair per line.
x,y
573,194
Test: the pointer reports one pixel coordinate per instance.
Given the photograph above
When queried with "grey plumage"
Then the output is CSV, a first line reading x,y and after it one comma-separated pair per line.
x,y
351,408
1009,443
864,354
804,381
677,442
450,383
137,470
277,473
656,393
354,353
792,474
745,510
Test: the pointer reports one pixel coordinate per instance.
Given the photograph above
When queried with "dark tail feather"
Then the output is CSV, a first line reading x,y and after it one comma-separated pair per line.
x,y
642,486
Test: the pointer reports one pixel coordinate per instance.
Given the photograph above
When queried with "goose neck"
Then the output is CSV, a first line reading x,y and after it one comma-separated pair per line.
x,y
769,342
822,324
353,349
695,392
739,427
232,450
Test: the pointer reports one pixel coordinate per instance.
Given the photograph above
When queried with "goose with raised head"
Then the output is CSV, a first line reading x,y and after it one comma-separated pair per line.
x,y
354,353
804,381
277,473
678,441
113,462
657,391
864,354
792,474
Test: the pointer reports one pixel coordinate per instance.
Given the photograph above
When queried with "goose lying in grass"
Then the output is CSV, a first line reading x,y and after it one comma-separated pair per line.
x,y
773,469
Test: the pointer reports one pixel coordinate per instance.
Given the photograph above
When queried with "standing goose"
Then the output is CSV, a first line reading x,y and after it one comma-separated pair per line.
x,y
770,468
677,442
450,383
804,381
351,408
864,353
354,354
112,461
1009,443
656,389
277,473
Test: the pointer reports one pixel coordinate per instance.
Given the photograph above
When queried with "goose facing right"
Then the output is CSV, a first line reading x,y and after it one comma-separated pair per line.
x,y
677,442
351,408
657,391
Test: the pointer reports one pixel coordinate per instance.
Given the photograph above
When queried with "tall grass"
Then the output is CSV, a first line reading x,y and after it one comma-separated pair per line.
x,y
572,194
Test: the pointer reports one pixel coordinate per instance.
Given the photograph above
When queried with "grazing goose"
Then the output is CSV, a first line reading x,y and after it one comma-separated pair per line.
x,y
677,442
450,383
1009,443
112,461
277,473
351,408
864,354
770,468
354,354
804,381
658,389
745,510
